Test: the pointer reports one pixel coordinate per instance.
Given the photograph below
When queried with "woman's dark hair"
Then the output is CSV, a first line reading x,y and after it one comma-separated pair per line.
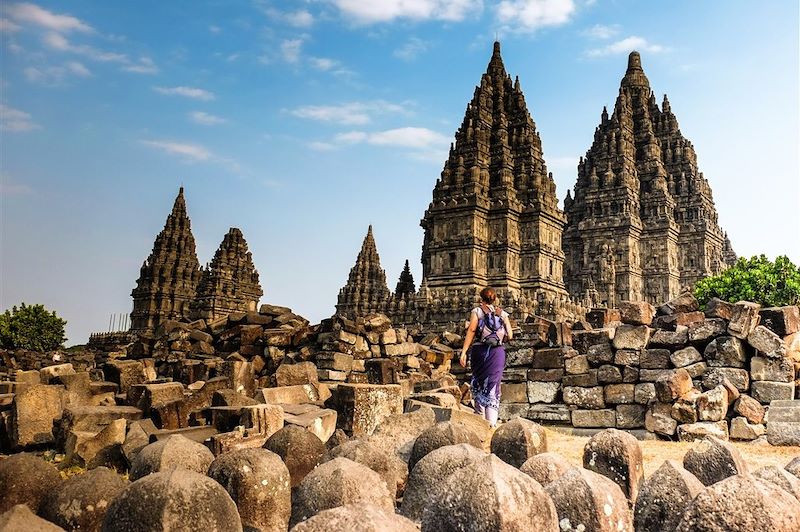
x,y
488,295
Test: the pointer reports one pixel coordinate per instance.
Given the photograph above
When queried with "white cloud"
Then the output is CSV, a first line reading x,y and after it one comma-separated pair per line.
x,y
214,29
602,31
373,11
55,75
321,146
299,19
409,137
15,120
60,43
411,49
352,113
14,189
193,152
530,15
291,49
323,63
187,92
8,26
206,119
33,14
626,45
351,137
144,66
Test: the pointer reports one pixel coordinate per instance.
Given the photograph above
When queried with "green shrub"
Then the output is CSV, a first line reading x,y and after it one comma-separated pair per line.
x,y
757,279
31,327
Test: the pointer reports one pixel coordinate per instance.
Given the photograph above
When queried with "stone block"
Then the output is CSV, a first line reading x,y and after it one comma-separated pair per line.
x,y
296,374
767,391
49,373
684,357
630,416
717,308
616,394
626,357
542,392
654,359
782,321
583,340
713,404
652,375
636,312
644,393
145,396
299,394
576,365
550,358
704,331
772,369
545,375
631,337
382,371
594,418
725,351
364,406
669,339
697,369
739,378
33,412
608,374
262,419
630,375
600,354
514,392
684,410
520,357
658,419
587,398
684,302
603,317
320,421
675,321
516,375
125,373
553,413
672,385
697,431
767,342
588,379
783,423
750,409
741,429
744,318
90,450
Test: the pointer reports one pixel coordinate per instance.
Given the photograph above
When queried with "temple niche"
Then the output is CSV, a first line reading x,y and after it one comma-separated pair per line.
x,y
640,200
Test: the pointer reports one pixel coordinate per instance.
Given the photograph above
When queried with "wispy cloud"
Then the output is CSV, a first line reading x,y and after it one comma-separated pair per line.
x,y
411,49
15,120
144,66
9,188
351,113
530,15
628,44
373,11
56,75
214,29
206,119
8,26
58,42
187,92
299,19
291,50
420,142
602,31
191,152
33,14
326,64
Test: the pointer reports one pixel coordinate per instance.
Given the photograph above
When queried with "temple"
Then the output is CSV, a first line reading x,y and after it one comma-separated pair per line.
x,y
366,289
642,224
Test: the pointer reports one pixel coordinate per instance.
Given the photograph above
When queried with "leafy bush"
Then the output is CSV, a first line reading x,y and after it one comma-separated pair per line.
x,y
772,284
31,327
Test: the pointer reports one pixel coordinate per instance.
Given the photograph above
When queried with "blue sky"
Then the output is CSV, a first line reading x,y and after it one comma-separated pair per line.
x,y
302,122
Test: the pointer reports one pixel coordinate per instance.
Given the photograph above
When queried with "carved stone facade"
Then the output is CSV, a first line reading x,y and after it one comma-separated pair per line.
x,y
230,282
642,224
366,289
169,277
173,286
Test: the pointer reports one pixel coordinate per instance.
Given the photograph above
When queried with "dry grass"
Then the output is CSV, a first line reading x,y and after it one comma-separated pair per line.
x,y
655,452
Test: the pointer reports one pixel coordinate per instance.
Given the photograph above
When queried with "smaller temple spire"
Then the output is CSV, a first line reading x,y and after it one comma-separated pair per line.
x,y
366,289
405,285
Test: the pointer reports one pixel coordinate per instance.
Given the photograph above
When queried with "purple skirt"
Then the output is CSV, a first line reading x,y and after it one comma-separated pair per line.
x,y
487,372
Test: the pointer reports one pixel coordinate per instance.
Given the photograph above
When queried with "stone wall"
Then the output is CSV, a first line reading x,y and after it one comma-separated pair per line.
x,y
677,372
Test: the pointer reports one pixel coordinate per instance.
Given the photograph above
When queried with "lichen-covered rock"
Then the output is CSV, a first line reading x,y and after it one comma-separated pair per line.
x,y
400,431
388,465
517,440
299,449
357,518
588,501
749,408
617,455
439,435
664,497
177,499
25,479
81,501
20,518
258,482
429,474
546,467
781,478
741,503
490,495
174,452
712,460
672,385
337,483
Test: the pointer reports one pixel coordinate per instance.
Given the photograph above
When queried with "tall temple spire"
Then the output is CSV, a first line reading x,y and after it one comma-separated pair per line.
x,y
366,289
230,283
405,284
169,276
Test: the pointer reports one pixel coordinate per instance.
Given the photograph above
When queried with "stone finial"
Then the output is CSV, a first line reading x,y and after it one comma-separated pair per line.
x,y
634,61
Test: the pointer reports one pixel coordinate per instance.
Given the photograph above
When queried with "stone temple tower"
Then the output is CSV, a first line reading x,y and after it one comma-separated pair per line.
x,y
642,224
366,289
230,283
168,278
494,218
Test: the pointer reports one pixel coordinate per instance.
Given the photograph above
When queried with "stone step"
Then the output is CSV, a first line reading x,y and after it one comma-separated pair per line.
x,y
783,422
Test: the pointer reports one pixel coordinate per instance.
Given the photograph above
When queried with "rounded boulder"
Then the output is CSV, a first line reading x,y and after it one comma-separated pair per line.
x,y
517,440
392,470
586,500
617,455
299,449
19,518
546,467
259,483
712,460
357,518
664,497
490,495
177,499
440,435
781,478
81,501
793,467
25,479
170,453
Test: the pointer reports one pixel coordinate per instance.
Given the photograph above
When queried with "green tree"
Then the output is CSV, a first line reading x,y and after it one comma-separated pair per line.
x,y
757,279
31,327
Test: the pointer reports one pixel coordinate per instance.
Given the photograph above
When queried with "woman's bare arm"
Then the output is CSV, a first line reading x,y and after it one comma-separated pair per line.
x,y
470,336
509,332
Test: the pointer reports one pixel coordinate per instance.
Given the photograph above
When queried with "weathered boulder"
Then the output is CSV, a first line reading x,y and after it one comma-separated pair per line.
x,y
793,466
499,497
672,385
357,518
741,503
713,404
636,312
664,497
725,351
337,483
587,501
781,478
177,499
429,474
439,435
749,408
617,455
81,501
387,464
174,452
33,411
517,440
25,479
258,482
701,429
546,467
744,318
712,460
400,431
20,518
299,449
89,450
766,342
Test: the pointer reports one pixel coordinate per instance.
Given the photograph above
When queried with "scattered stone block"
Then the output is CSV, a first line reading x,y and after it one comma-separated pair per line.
x,y
783,321
33,412
767,342
767,391
125,373
517,440
741,429
702,332
717,308
297,395
725,351
90,450
698,431
547,467
750,409
672,385
631,337
744,318
684,410
630,416
296,374
636,312
364,406
587,501
772,369
783,423
713,404
712,460
319,421
658,419
738,379
664,497
299,449
685,356
669,339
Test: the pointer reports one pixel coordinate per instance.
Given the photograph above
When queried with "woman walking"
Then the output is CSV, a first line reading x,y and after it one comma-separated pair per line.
x,y
489,328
